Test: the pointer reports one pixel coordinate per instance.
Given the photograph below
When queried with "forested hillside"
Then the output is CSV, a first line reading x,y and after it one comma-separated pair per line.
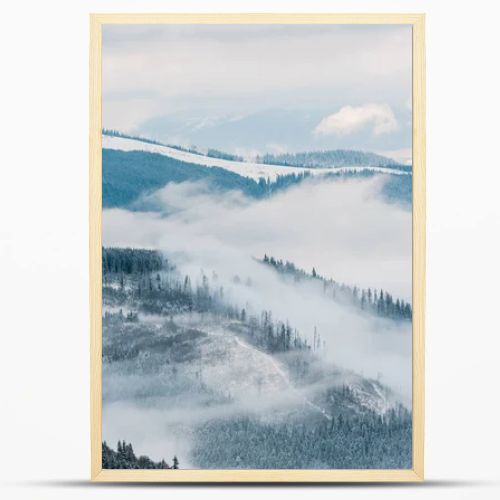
x,y
364,441
333,158
372,301
256,228
128,175
247,379
168,293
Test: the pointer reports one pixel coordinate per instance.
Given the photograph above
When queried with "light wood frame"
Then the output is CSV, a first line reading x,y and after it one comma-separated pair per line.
x,y
95,177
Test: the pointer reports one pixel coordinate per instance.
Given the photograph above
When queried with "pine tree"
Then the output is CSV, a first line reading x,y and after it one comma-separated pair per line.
x,y
125,458
380,304
363,299
388,304
187,284
283,336
288,336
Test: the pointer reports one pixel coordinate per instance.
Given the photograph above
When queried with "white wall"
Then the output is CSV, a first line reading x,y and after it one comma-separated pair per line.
x,y
44,444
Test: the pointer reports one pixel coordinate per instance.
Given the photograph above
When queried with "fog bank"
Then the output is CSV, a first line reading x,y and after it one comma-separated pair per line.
x,y
343,229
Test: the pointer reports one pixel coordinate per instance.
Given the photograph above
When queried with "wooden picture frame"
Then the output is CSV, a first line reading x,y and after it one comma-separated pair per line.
x,y
418,218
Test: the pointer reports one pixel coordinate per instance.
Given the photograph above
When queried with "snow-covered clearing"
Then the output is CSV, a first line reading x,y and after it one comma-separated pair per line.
x,y
284,376
251,170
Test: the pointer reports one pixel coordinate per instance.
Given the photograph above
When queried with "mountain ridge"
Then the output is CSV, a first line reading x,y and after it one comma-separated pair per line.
x,y
330,158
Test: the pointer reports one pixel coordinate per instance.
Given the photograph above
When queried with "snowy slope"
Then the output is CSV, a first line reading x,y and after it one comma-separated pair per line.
x,y
245,169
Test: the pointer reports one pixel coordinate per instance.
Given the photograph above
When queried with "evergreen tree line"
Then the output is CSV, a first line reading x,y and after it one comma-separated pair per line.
x,y
311,159
215,153
125,458
129,261
269,335
117,133
376,302
156,288
146,172
332,158
128,175
282,182
362,441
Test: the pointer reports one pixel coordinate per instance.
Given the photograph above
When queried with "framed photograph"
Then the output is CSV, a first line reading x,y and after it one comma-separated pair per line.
x,y
257,247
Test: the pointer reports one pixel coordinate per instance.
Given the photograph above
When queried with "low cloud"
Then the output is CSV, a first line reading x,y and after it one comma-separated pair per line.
x,y
350,119
342,228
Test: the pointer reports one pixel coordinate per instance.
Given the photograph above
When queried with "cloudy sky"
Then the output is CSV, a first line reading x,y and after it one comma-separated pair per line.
x,y
255,88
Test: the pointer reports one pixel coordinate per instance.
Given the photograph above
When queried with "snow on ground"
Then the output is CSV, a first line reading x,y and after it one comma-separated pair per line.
x,y
245,169
284,376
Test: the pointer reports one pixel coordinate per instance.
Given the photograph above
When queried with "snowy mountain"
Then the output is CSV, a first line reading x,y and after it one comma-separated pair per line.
x,y
249,170
135,168
253,171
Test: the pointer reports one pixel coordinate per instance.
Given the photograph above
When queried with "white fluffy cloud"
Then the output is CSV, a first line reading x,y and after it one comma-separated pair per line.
x,y
351,119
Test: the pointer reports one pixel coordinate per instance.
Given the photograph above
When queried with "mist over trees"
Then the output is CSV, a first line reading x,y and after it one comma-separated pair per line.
x,y
268,366
145,281
167,293
129,175
157,324
373,301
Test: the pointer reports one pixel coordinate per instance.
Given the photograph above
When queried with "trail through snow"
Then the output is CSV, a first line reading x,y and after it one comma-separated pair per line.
x,y
284,376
